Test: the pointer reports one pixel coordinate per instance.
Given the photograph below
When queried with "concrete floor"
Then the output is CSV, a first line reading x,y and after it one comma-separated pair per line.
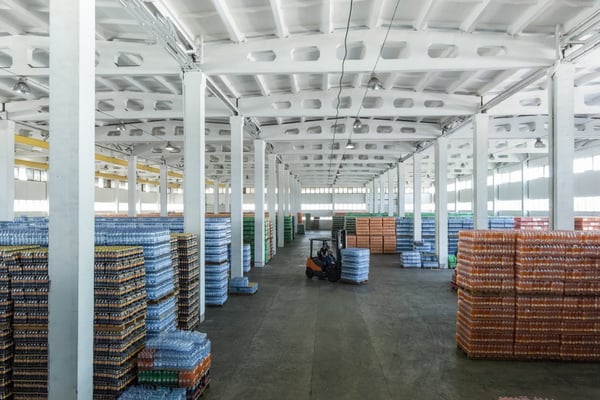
x,y
390,339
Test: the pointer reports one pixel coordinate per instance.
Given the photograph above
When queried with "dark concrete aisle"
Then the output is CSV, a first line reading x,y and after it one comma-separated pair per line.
x,y
390,339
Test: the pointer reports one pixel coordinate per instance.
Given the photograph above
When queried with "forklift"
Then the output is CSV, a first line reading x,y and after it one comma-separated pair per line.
x,y
326,262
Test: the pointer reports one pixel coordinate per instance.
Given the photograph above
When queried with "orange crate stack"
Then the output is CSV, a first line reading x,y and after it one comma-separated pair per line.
x,y
362,226
362,241
351,241
375,226
376,244
389,226
587,223
389,244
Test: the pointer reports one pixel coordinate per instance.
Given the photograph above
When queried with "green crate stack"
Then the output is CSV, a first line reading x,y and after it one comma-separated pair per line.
x,y
451,261
351,224
288,229
249,236
337,223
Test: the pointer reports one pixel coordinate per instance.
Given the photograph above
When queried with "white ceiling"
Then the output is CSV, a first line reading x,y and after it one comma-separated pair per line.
x,y
280,61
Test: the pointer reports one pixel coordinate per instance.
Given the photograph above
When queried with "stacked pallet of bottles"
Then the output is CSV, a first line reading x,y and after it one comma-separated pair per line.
x,y
6,344
119,317
29,286
246,258
404,234
175,264
288,229
428,232
177,359
501,223
188,313
248,235
558,295
486,298
362,233
350,224
376,235
388,225
160,281
531,223
337,223
218,237
587,223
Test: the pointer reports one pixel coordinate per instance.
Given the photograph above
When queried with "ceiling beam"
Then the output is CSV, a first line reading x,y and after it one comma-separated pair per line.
x,y
262,85
327,16
294,83
280,26
168,85
521,53
523,21
136,84
427,7
460,81
229,86
33,18
469,24
235,35
376,13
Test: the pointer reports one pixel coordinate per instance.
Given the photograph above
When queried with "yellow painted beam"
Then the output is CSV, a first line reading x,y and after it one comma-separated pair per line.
x,y
32,164
111,160
31,141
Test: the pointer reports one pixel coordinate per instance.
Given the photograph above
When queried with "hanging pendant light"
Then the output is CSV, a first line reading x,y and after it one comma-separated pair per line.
x,y
539,144
22,87
357,124
350,145
374,83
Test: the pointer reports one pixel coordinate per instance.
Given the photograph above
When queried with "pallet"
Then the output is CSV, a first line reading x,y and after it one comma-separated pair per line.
x,y
232,291
349,282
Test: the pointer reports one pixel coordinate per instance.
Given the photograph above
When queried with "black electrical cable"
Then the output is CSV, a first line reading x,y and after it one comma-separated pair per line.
x,y
337,107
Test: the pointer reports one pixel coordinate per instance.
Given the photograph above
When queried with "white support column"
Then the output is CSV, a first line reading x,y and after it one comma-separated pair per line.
x,y
280,204
272,196
216,198
390,193
441,200
374,196
194,201
227,197
401,189
164,190
561,149
481,125
456,199
259,202
7,170
381,194
71,198
496,190
288,193
117,190
417,196
237,187
132,193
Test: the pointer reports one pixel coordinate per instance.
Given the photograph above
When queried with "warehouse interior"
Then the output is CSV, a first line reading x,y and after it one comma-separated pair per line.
x,y
193,116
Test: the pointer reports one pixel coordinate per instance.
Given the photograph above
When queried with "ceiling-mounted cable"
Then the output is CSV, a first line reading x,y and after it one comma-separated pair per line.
x,y
337,107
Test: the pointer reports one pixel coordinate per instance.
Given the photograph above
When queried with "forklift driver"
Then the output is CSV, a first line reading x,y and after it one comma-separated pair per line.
x,y
325,256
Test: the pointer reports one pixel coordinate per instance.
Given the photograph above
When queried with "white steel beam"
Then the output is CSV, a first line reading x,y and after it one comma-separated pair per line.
x,y
262,85
501,78
109,84
561,147
30,16
229,86
441,200
327,16
420,21
136,84
7,170
148,60
480,170
132,193
164,190
272,195
235,35
10,27
237,198
194,201
528,16
417,236
375,14
294,84
280,25
460,81
469,23
401,176
163,81
237,59
71,199
259,203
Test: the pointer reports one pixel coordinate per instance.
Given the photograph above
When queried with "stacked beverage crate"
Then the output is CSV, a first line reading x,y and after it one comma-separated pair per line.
x,y
376,235
218,237
119,317
29,286
410,259
404,234
6,344
501,223
188,313
486,299
177,359
428,232
587,223
356,265
160,281
389,235
175,263
531,223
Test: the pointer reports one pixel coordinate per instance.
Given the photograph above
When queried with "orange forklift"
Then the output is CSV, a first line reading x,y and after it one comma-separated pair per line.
x,y
326,262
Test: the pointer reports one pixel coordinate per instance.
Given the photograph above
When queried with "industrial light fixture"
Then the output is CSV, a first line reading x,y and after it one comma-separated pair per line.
x,y
491,156
462,165
45,135
539,144
350,145
121,126
170,148
22,87
374,83
357,124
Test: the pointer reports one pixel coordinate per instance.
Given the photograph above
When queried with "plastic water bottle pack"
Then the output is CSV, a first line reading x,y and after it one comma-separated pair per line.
x,y
140,392
246,257
410,259
355,264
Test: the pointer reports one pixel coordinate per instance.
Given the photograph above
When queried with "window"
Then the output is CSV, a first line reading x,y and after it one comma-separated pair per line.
x,y
515,176
581,165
